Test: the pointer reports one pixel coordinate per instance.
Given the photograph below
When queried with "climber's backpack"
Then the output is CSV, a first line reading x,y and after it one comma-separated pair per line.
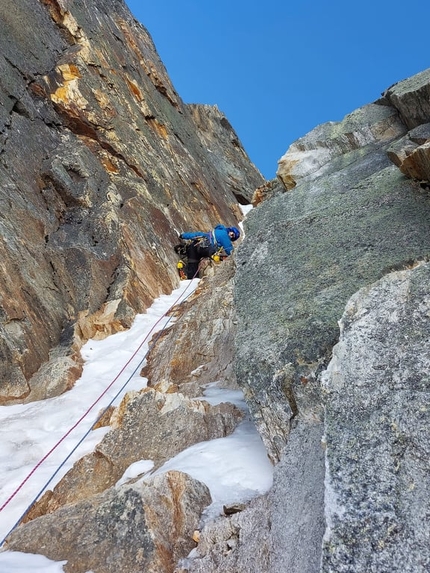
x,y
181,249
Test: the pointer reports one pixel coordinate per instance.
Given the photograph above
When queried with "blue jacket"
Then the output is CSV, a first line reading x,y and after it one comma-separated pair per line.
x,y
218,238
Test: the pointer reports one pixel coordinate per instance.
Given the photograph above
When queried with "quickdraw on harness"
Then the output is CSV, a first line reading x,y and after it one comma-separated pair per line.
x,y
219,255
181,251
180,265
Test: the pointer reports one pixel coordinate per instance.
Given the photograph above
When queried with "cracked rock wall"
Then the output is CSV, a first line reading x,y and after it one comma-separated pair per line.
x,y
101,165
347,216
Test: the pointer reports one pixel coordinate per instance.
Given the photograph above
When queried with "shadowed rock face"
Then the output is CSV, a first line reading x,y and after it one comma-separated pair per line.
x,y
351,218
101,165
305,254
343,226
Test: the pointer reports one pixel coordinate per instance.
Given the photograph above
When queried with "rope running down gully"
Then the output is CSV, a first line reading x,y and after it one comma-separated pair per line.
x,y
88,411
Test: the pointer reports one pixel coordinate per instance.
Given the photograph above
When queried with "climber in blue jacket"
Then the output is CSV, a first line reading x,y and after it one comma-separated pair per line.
x,y
220,237
200,245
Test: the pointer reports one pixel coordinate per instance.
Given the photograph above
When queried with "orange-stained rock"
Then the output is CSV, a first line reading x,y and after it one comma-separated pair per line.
x,y
148,425
102,165
411,154
147,526
199,347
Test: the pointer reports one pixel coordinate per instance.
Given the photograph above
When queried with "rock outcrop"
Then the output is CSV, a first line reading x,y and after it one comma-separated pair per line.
x,y
311,155
351,219
133,528
200,348
148,425
241,543
101,164
154,424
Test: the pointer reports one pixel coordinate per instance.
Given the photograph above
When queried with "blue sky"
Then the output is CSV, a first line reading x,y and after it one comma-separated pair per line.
x,y
279,68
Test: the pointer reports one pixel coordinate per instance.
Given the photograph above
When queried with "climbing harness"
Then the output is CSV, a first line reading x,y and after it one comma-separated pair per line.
x,y
207,242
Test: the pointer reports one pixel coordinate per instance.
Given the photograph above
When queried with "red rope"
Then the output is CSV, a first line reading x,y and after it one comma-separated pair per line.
x,y
92,405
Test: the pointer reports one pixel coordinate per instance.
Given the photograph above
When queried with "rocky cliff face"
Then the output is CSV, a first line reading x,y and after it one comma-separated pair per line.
x,y
327,303
348,242
101,165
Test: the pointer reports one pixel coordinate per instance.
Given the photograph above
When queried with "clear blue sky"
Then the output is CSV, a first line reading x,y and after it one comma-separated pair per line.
x,y
279,68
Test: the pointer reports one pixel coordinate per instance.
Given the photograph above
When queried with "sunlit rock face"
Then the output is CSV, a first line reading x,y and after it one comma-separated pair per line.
x,y
404,106
101,166
199,348
148,425
312,155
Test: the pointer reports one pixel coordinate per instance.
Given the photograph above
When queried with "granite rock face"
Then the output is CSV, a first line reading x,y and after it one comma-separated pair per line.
x,y
310,156
102,165
377,429
349,217
305,253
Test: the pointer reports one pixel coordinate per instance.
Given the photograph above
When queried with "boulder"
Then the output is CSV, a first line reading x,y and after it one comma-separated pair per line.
x,y
147,526
411,98
147,425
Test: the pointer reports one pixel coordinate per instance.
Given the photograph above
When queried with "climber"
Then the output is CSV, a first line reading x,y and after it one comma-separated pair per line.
x,y
197,245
